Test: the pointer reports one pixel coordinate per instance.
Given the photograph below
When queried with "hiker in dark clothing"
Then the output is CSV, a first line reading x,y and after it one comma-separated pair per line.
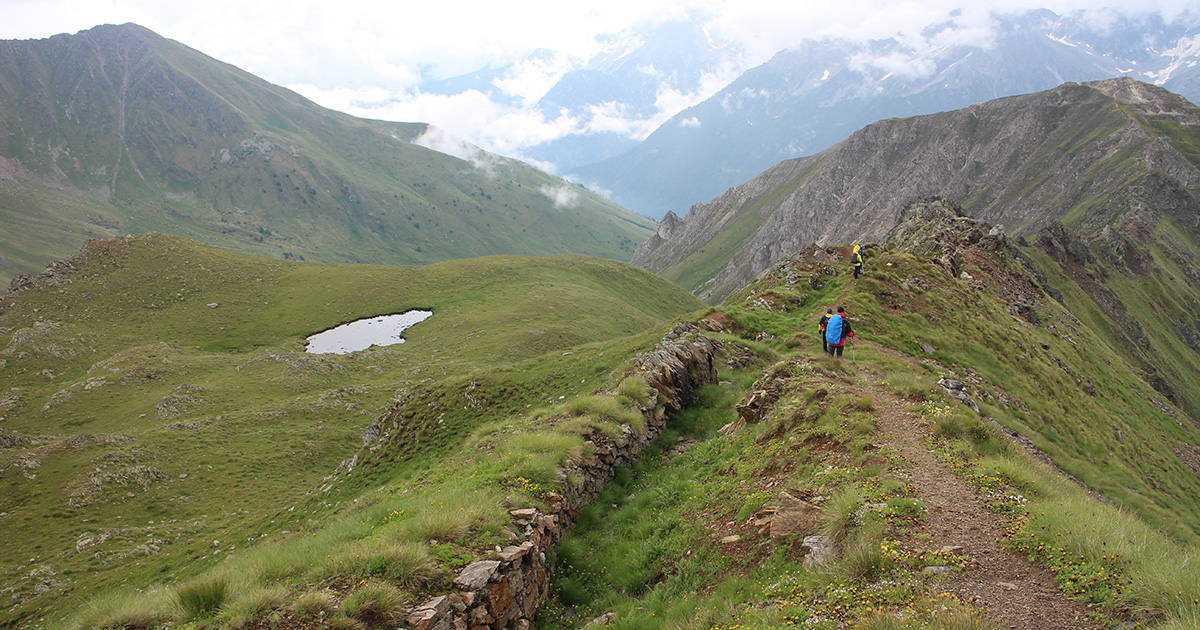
x,y
837,331
821,328
856,259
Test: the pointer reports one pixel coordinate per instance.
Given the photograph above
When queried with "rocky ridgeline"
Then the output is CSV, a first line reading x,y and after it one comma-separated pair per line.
x,y
504,592
59,272
1026,161
940,232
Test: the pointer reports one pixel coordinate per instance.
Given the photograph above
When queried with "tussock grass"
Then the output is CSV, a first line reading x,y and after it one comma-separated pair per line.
x,y
247,606
537,456
402,562
311,604
1183,620
636,389
1164,579
374,603
917,388
837,514
275,563
605,409
863,558
127,609
953,619
202,596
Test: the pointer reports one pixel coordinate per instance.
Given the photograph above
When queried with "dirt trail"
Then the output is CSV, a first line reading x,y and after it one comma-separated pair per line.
x,y
1011,590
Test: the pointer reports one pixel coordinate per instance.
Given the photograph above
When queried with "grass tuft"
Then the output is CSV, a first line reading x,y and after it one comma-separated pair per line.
x,y
311,604
246,606
202,596
373,604
838,513
403,562
127,609
636,388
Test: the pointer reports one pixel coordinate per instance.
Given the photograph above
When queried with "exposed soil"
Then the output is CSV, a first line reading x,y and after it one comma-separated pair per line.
x,y
1009,588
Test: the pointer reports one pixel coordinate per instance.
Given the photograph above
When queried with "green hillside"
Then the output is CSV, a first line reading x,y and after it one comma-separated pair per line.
x,y
287,517
156,396
116,130
938,515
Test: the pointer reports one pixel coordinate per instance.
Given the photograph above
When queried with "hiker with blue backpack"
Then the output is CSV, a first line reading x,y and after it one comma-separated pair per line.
x,y
836,332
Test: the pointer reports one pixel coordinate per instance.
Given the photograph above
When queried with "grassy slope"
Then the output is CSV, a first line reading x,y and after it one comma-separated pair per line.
x,y
211,152
1116,441
655,558
227,421
820,439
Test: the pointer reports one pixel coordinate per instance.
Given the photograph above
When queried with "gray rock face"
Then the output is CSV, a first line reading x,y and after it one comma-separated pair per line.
x,y
1019,161
476,575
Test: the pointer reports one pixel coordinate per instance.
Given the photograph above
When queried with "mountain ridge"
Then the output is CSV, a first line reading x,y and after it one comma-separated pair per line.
x,y
1044,177
141,133
1099,181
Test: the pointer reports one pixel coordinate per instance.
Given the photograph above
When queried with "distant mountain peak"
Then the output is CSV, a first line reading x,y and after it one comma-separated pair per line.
x,y
813,95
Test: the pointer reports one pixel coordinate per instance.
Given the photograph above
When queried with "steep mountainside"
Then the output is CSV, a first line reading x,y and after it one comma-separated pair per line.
x,y
1102,176
1070,154
806,99
117,130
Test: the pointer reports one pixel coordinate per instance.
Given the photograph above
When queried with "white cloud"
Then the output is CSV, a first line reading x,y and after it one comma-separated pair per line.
x,y
369,57
896,63
591,185
471,114
563,196
691,122
530,79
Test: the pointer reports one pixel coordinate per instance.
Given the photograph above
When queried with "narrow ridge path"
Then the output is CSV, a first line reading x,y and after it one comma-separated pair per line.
x,y
1009,588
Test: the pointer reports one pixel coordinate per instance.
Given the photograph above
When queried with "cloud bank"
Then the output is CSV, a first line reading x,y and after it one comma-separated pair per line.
x,y
371,57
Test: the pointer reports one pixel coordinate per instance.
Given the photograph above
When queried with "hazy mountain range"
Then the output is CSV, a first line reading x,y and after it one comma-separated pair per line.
x,y
810,96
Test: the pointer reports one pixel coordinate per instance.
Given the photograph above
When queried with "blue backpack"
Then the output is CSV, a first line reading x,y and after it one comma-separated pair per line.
x,y
833,330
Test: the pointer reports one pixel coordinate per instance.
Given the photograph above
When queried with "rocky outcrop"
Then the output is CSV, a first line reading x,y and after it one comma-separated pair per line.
x,y
1024,162
941,232
505,591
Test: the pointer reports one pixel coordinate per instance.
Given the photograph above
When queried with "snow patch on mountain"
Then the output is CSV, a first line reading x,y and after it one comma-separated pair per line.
x,y
1182,55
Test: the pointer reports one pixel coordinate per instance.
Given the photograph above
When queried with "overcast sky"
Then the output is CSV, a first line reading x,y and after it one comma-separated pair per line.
x,y
367,57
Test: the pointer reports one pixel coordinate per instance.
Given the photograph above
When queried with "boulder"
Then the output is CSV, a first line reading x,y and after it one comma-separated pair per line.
x,y
476,575
794,516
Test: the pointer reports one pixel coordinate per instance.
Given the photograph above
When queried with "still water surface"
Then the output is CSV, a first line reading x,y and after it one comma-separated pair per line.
x,y
362,334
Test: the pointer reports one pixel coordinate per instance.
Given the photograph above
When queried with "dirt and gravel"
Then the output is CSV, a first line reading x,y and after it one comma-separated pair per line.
x,y
1010,589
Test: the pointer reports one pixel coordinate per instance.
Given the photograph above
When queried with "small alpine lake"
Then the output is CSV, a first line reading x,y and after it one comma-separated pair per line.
x,y
383,330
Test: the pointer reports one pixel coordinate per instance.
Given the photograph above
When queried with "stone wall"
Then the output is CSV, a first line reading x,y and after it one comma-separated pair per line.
x,y
505,592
